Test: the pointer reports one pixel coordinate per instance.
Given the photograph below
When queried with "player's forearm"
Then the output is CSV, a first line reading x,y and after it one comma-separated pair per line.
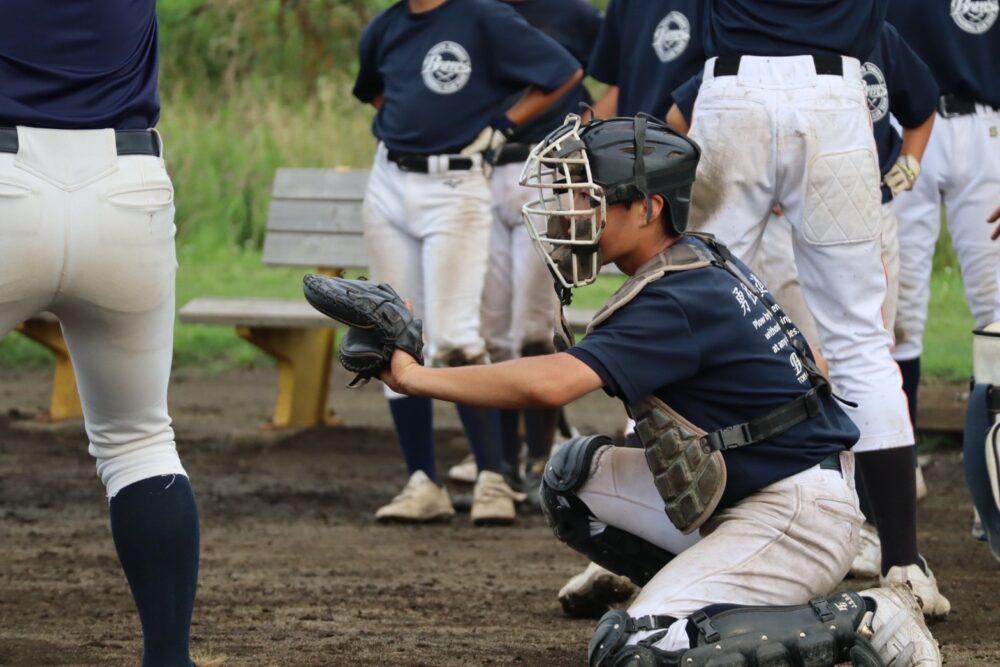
x,y
537,100
676,120
606,106
915,138
521,383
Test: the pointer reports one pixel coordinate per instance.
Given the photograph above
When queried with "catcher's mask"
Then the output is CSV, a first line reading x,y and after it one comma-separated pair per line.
x,y
580,170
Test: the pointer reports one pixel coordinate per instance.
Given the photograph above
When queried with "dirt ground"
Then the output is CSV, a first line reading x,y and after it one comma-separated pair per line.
x,y
294,570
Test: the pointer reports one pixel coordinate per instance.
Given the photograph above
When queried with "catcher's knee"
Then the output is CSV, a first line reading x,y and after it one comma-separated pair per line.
x,y
823,633
573,523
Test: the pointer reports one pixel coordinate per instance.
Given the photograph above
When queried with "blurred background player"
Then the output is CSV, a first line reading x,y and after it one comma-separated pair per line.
x,y
518,311
809,148
646,49
960,41
87,233
438,71
899,84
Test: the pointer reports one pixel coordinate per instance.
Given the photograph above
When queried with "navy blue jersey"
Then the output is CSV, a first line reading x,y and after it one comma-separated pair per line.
x,y
444,74
86,64
647,48
793,27
715,352
959,41
899,83
574,24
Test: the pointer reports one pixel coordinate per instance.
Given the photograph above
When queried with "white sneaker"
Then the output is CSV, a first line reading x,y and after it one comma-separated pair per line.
x,y
977,526
594,591
420,501
921,484
465,471
899,633
923,584
867,561
493,501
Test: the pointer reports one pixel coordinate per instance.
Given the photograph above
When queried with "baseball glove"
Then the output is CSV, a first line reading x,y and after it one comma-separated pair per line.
x,y
379,323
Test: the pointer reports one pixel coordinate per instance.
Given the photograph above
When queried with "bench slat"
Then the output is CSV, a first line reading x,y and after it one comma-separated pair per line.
x,y
253,312
320,184
315,249
313,215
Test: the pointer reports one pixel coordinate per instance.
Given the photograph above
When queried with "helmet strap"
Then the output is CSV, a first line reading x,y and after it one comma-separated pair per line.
x,y
639,170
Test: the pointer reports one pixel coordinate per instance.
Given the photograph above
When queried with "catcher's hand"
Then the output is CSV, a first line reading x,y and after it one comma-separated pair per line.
x,y
378,318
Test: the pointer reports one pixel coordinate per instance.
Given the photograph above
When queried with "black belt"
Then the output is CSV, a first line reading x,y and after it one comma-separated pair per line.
x,y
955,105
128,142
420,163
831,462
512,153
730,65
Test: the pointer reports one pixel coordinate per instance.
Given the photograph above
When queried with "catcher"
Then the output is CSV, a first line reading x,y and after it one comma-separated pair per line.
x,y
738,516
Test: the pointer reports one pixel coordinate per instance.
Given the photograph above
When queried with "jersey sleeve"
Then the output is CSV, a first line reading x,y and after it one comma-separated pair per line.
x,y
686,94
913,92
523,55
369,83
603,62
646,345
588,25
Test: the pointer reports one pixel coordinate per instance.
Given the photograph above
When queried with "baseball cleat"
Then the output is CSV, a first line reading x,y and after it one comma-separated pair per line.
x,y
867,562
420,501
920,579
465,471
898,631
493,501
593,592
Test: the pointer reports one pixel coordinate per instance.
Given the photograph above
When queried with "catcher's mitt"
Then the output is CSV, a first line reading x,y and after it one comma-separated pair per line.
x,y
379,322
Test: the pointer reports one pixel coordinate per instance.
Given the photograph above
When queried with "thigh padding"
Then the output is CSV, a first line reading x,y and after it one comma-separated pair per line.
x,y
843,200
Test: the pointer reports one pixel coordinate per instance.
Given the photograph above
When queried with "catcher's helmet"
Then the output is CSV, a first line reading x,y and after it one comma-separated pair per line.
x,y
581,169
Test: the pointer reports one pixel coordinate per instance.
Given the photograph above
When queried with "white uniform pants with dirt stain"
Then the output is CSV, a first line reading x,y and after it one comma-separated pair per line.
x,y
519,302
961,172
89,236
427,235
778,133
782,545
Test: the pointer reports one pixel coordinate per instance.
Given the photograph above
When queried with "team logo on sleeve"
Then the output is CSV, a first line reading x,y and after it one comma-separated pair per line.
x,y
671,36
876,91
975,16
447,68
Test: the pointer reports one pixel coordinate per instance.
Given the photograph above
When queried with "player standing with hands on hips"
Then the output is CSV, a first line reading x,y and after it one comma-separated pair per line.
x,y
744,474
87,233
439,71
782,118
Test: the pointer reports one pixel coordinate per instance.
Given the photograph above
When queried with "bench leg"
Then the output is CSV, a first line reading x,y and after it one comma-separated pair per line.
x,y
303,357
65,401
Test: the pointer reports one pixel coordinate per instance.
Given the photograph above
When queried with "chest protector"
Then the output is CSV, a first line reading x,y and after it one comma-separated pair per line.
x,y
687,463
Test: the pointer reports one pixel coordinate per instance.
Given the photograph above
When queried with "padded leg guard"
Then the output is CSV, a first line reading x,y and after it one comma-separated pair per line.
x,y
982,461
573,523
823,633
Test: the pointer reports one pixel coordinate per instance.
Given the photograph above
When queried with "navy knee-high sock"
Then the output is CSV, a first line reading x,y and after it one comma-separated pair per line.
x,y
413,417
155,527
510,441
892,492
540,431
481,428
910,370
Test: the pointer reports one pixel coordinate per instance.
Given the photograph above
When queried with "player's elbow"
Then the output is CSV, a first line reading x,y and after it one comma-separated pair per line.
x,y
548,392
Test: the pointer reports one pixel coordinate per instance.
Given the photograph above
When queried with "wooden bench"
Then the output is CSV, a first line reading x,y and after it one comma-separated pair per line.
x,y
64,400
314,222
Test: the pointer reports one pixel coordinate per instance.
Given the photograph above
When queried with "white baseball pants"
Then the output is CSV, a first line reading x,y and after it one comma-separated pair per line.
x,y
783,545
961,171
519,302
89,236
774,263
778,133
427,235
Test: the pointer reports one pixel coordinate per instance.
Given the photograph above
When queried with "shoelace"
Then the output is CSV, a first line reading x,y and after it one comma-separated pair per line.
x,y
497,491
